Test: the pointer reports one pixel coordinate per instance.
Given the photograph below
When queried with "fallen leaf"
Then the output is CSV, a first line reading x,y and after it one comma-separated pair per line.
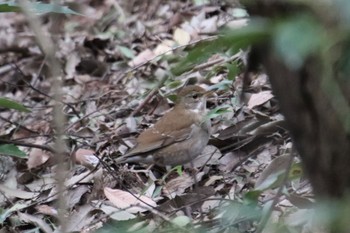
x,y
177,186
86,158
181,36
209,156
142,57
117,214
181,221
259,98
36,220
17,193
164,48
271,173
36,158
80,218
132,203
47,210
83,177
209,25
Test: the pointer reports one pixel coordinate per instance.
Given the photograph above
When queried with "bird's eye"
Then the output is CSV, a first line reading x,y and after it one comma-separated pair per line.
x,y
194,96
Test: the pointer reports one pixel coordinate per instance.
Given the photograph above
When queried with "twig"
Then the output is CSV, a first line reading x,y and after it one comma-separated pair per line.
x,y
216,61
149,96
48,49
42,93
18,125
170,50
25,144
5,68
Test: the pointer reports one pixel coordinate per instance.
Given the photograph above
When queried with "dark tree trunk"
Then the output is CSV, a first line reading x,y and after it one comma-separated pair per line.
x,y
316,128
314,114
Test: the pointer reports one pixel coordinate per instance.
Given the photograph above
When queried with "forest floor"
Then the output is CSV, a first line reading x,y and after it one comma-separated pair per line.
x,y
117,80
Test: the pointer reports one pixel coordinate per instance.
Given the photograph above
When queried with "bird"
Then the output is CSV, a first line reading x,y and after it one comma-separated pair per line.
x,y
178,136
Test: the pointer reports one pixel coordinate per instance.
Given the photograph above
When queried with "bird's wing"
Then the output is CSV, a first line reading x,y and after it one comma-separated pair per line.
x,y
155,140
167,130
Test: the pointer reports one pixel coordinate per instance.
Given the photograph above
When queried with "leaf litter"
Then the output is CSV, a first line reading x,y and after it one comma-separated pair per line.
x,y
112,61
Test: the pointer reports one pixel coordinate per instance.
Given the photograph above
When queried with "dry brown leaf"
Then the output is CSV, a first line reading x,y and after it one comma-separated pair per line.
x,y
117,214
80,218
72,61
230,160
211,204
212,180
129,202
259,98
83,177
300,201
164,48
196,21
44,183
86,158
238,23
36,158
47,210
74,196
264,156
17,193
82,78
181,36
276,166
177,186
209,25
72,93
209,156
143,57
36,220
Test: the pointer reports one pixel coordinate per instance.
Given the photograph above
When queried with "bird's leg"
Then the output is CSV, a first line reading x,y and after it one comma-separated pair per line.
x,y
196,185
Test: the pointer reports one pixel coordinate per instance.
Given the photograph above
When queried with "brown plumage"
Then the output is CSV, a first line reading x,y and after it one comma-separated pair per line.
x,y
179,136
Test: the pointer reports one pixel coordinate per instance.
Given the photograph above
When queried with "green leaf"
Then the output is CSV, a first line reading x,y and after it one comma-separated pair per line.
x,y
179,170
12,150
8,8
256,31
218,111
234,212
172,97
38,8
174,84
297,38
272,181
126,52
223,85
252,197
201,51
6,103
233,70
296,171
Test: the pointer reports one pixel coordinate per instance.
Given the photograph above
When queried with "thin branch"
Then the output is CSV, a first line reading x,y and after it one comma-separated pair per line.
x,y
48,48
170,50
149,97
18,125
25,144
42,93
